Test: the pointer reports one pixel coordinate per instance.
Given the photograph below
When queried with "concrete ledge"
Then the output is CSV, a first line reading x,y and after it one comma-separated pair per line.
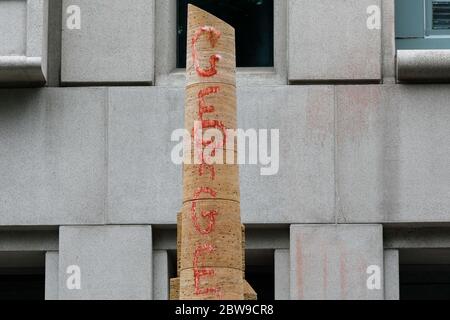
x,y
28,241
423,65
18,69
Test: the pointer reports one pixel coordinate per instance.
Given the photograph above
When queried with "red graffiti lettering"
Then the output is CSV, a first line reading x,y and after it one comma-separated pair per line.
x,y
213,36
206,167
200,251
204,108
210,215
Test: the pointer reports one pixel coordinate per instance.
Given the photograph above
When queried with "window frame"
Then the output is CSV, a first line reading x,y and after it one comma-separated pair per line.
x,y
166,73
419,38
429,32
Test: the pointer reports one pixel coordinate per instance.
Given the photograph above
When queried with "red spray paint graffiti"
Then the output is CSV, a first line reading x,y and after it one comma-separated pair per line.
x,y
199,141
211,215
214,36
200,251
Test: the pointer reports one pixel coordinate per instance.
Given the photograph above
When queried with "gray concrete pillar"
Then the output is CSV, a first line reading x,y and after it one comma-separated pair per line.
x,y
160,275
51,275
388,38
391,275
282,285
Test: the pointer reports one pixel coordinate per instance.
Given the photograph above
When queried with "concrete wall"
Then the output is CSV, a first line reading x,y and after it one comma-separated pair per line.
x,y
96,160
89,156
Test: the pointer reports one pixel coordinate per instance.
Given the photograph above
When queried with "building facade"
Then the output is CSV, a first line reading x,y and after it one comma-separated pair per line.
x,y
92,91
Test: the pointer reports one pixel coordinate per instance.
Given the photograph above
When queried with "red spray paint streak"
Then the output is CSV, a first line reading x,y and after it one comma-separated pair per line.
x,y
214,36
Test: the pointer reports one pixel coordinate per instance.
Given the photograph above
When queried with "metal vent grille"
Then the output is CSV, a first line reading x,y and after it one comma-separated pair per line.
x,y
441,15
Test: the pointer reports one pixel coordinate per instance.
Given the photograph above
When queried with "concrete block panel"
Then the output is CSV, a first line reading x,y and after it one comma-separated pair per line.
x,y
23,42
282,269
51,275
391,275
331,40
393,152
112,262
52,162
337,262
303,189
145,186
112,43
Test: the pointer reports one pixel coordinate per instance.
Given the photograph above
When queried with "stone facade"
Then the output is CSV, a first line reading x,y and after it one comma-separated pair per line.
x,y
85,162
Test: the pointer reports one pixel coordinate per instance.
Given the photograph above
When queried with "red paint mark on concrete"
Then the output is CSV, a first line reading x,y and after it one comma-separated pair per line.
x,y
343,274
201,251
319,117
357,111
214,36
210,215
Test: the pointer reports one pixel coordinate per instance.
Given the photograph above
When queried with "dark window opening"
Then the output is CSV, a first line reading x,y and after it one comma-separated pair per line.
x,y
260,273
22,276
425,275
254,24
